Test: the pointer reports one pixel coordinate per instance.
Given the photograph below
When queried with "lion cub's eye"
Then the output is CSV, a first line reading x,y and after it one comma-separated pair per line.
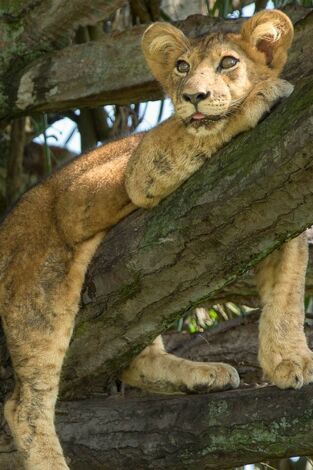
x,y
228,62
182,66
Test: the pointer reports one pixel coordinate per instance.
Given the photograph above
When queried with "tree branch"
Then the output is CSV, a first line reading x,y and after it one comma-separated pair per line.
x,y
32,30
243,290
279,424
113,71
215,431
52,21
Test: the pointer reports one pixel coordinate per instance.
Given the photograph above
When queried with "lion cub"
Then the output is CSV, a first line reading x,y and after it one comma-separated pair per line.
x,y
221,85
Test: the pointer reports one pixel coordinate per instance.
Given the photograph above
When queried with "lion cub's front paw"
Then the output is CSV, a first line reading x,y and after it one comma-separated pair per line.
x,y
283,89
292,372
210,377
275,90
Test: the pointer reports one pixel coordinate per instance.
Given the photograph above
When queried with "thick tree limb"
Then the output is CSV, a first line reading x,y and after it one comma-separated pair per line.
x,y
157,264
243,290
113,70
49,22
216,431
199,431
46,24
206,431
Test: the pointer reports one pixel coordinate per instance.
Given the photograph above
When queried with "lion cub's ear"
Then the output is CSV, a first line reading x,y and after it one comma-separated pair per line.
x,y
162,44
271,32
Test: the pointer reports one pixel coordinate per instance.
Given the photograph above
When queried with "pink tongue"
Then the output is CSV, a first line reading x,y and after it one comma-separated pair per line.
x,y
198,116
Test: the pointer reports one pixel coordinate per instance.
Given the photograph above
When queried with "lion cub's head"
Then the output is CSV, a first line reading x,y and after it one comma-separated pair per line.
x,y
209,78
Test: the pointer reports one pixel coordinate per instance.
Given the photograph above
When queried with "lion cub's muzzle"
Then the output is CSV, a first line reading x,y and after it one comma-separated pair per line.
x,y
201,109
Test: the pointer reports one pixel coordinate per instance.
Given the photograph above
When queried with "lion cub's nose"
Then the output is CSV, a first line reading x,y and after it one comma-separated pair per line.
x,y
195,98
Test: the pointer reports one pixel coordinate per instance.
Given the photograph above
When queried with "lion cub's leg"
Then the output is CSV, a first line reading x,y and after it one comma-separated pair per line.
x,y
157,371
37,358
283,352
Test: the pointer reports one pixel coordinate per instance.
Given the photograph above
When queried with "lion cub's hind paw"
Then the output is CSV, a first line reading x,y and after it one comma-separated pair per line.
x,y
203,378
294,373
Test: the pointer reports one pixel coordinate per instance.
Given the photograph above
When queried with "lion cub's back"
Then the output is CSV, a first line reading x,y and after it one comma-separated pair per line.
x,y
34,256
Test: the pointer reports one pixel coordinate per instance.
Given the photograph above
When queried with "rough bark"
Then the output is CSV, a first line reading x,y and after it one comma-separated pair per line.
x,y
243,289
217,431
157,264
30,30
113,71
197,432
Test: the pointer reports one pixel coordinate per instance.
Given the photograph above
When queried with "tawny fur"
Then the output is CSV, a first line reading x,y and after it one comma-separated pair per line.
x,y
47,241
